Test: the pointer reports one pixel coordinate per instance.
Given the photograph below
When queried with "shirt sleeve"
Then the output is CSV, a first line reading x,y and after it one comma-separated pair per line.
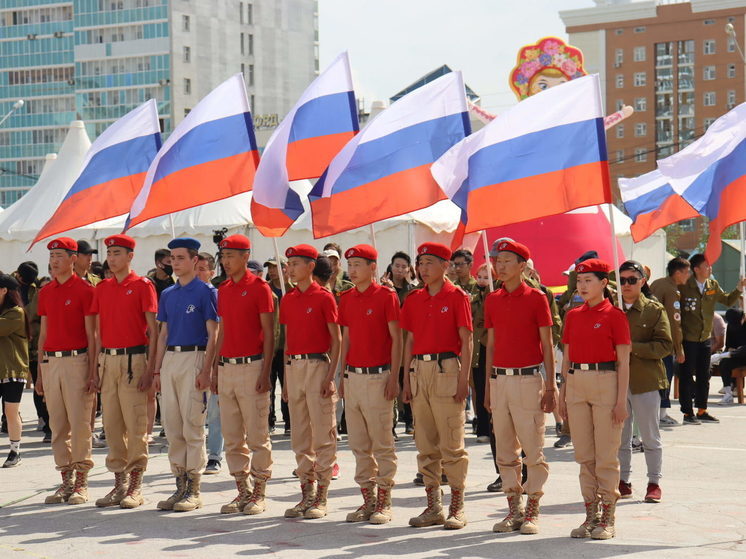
x,y
95,304
488,304
404,316
41,304
543,313
148,298
211,304
392,309
620,329
463,312
283,312
162,315
342,312
265,301
329,308
88,300
567,328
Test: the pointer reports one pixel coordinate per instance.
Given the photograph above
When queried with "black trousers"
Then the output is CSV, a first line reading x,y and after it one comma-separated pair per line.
x,y
39,403
727,366
405,410
278,373
694,376
480,385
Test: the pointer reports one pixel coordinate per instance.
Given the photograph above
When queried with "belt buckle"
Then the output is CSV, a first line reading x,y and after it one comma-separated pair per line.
x,y
427,357
58,353
177,348
297,357
585,367
111,351
359,370
511,372
233,361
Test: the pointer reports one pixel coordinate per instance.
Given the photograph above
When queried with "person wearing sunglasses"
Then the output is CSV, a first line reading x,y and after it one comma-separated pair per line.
x,y
650,331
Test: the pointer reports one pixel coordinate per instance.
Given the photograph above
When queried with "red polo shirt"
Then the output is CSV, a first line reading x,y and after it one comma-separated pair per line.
x,y
594,332
240,305
434,320
121,309
367,316
66,305
306,316
516,318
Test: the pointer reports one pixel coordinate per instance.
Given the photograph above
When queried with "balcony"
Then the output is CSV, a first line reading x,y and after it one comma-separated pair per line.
x,y
663,60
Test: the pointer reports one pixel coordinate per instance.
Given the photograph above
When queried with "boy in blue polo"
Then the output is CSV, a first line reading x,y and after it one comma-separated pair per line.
x,y
186,350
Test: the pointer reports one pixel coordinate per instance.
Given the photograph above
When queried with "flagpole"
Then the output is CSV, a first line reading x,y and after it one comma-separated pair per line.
x,y
615,251
278,260
173,229
742,262
487,259
373,236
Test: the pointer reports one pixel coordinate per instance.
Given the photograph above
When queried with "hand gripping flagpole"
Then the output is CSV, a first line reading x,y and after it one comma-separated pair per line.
x,y
279,265
487,260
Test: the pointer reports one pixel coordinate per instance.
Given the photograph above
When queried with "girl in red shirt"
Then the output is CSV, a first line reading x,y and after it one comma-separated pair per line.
x,y
594,394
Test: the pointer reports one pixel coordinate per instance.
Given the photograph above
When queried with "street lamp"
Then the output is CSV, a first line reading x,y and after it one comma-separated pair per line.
x,y
17,105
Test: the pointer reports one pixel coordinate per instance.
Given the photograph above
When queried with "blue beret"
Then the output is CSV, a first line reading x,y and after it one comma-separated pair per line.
x,y
185,242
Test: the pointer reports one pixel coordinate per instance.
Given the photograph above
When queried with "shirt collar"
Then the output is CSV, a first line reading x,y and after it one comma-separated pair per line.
x,y
522,289
446,290
313,288
367,293
190,286
602,306
132,276
639,303
70,281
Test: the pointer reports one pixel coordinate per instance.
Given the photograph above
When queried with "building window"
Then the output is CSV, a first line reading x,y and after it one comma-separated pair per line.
x,y
619,155
187,86
709,22
620,130
187,54
641,129
639,54
731,44
240,12
620,80
618,31
709,73
251,44
709,46
250,13
641,155
641,104
251,103
242,44
731,98
640,29
708,122
640,79
731,70
709,100
618,56
251,74
185,23
187,111
619,104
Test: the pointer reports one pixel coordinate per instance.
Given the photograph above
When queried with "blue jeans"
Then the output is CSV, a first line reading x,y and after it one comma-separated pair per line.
x,y
214,430
666,393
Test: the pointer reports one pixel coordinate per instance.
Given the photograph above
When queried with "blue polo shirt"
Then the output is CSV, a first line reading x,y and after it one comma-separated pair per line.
x,y
185,309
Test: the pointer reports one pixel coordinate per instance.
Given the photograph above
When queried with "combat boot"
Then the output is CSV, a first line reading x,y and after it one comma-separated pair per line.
x,y
433,514
181,481
191,499
133,498
308,495
64,490
531,516
318,508
605,529
456,515
592,518
256,503
80,489
368,507
115,496
516,513
238,504
382,514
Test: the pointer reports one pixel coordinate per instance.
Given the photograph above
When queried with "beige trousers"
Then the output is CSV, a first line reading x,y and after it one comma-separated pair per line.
x,y
183,411
518,423
369,417
65,380
125,411
591,397
313,436
439,422
244,416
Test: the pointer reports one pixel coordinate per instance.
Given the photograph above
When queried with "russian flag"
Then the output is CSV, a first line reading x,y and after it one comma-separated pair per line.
x,y
384,171
211,155
544,156
652,204
710,174
323,120
113,172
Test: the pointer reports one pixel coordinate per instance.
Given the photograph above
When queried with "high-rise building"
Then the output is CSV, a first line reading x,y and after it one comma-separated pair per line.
x,y
95,60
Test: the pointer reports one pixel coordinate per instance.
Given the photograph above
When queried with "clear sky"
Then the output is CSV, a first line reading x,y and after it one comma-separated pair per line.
x,y
394,42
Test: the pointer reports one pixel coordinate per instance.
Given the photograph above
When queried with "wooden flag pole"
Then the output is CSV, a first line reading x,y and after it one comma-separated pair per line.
x,y
278,260
173,229
487,259
372,236
615,251
742,262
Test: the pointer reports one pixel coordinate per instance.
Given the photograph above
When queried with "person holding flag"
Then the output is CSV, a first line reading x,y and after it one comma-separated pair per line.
x,y
371,352
241,376
127,335
312,340
437,362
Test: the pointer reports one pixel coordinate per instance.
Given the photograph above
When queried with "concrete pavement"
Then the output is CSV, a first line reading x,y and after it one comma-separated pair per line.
x,y
703,512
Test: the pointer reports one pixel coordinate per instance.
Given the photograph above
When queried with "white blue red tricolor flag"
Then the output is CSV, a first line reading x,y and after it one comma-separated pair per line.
x,y
544,156
113,172
384,171
323,120
211,155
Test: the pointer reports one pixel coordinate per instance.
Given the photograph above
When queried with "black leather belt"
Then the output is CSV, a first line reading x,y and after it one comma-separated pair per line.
x,y
524,371
368,370
68,353
436,356
241,360
180,348
318,356
134,350
604,366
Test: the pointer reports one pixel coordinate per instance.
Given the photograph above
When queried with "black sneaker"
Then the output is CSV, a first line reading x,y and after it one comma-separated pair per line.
x,y
689,419
409,429
213,467
563,441
558,429
418,480
162,434
287,431
14,458
47,437
496,486
707,418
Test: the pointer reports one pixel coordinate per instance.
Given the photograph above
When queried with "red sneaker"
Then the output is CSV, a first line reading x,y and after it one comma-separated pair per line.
x,y
625,489
653,494
335,471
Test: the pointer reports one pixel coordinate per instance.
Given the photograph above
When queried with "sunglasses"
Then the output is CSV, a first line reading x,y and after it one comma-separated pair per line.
x,y
630,281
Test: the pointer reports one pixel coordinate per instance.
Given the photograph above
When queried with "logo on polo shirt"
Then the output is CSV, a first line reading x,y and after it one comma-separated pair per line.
x,y
129,292
243,294
369,312
444,309
68,302
597,325
190,309
309,310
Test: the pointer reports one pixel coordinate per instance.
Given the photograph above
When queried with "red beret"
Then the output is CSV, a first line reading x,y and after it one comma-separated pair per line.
x,y
123,241
362,251
593,265
434,249
306,251
515,248
63,243
237,242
